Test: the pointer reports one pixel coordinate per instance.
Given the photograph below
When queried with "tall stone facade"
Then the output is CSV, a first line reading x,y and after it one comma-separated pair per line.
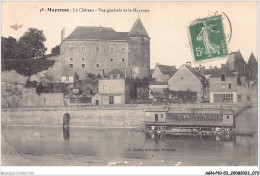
x,y
98,50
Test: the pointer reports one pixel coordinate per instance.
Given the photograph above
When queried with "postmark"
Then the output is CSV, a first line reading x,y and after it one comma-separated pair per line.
x,y
207,38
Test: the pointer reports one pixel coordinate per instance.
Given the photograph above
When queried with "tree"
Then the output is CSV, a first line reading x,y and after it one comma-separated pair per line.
x,y
31,44
8,47
55,51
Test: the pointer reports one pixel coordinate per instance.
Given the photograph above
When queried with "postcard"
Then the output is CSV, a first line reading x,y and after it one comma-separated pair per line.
x,y
129,84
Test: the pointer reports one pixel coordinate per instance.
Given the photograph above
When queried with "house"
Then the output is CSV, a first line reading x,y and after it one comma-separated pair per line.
x,y
157,87
114,89
101,49
237,65
188,118
187,79
156,115
162,73
225,87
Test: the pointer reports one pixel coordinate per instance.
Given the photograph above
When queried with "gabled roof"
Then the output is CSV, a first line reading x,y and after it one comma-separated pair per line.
x,y
96,33
237,57
115,71
138,30
252,60
219,71
167,70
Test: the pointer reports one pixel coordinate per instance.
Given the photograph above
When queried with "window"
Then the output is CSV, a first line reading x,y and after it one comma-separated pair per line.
x,y
71,65
223,77
161,115
123,48
118,76
239,98
227,117
123,60
223,85
83,58
156,118
67,78
181,77
111,99
83,65
71,48
97,66
229,86
111,60
97,48
83,48
228,98
71,58
111,48
248,98
142,39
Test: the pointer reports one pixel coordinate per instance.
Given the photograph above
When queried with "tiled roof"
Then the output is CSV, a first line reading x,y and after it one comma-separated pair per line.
x,y
96,33
219,71
138,30
200,110
167,70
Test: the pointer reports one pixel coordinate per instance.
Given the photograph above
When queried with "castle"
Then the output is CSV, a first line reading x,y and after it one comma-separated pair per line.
x,y
98,50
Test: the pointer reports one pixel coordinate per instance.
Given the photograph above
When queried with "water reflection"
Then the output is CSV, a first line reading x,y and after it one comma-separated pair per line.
x,y
132,143
194,137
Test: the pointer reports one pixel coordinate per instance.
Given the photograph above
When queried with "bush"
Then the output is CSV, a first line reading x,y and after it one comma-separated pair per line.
x,y
30,84
26,67
175,96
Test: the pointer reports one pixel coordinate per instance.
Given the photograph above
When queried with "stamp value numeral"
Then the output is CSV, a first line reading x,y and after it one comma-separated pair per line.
x,y
199,51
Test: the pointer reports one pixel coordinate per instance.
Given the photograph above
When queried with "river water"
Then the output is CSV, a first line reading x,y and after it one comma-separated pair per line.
x,y
134,144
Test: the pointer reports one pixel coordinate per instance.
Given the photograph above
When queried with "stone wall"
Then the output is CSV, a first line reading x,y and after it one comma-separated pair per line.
x,y
93,56
95,118
30,98
139,56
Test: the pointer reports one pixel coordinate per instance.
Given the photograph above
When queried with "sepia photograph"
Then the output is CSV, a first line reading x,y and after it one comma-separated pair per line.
x,y
129,84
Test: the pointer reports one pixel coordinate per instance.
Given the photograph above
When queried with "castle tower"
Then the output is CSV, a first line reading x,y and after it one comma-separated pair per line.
x,y
139,51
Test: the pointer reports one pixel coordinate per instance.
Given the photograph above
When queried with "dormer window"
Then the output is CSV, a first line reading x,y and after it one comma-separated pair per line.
x,y
223,77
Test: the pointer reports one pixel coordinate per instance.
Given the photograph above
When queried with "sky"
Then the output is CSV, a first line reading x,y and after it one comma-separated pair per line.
x,y
166,23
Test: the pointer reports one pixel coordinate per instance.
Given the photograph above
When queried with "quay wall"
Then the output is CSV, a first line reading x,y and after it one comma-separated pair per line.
x,y
122,116
85,118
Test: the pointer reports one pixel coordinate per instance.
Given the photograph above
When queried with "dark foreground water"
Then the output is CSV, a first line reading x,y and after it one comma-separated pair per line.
x,y
132,143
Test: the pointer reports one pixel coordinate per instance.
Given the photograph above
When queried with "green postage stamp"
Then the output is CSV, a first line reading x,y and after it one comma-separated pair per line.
x,y
208,39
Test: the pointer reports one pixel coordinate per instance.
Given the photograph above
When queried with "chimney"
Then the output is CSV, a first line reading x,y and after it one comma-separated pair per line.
x,y
62,34
125,72
188,64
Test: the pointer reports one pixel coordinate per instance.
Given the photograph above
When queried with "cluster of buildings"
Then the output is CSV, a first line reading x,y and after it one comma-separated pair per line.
x,y
120,57
232,83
